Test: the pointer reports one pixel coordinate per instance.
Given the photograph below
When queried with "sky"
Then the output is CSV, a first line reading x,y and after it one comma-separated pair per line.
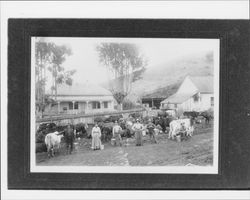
x,y
85,60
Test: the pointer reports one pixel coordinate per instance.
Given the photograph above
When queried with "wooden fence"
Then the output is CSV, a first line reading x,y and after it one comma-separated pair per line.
x,y
86,118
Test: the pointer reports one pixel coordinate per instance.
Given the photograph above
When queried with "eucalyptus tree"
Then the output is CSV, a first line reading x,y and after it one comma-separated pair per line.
x,y
42,60
50,57
59,75
125,64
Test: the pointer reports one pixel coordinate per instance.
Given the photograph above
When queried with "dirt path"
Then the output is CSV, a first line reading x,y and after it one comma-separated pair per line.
x,y
196,151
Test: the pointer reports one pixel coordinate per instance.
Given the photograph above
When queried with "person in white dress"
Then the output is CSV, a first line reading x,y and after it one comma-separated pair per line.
x,y
117,134
96,137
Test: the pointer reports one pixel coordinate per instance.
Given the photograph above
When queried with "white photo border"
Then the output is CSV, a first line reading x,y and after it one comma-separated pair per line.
x,y
132,169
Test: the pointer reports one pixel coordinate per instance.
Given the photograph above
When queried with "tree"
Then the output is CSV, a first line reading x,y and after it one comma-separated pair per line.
x,y
59,75
126,65
42,59
49,56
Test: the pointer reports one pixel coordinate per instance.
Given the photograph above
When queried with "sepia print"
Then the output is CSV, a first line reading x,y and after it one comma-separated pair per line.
x,y
124,105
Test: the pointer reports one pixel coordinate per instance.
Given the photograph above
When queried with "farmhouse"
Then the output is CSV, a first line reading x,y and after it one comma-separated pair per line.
x,y
194,94
83,99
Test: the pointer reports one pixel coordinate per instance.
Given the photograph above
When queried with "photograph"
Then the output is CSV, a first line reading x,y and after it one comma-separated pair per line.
x,y
134,100
124,105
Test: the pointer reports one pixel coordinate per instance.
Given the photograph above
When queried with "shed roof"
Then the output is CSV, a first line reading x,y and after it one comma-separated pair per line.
x,y
177,98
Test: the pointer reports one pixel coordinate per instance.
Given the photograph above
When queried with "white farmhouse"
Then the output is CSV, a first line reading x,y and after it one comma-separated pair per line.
x,y
83,99
196,93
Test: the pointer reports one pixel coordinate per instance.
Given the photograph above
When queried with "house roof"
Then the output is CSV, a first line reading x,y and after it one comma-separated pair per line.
x,y
203,83
85,98
177,98
82,90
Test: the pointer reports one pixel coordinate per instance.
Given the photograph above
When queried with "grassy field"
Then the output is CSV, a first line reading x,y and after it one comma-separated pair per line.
x,y
197,150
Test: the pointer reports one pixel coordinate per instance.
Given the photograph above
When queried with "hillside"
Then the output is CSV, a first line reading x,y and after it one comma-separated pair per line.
x,y
164,80
163,92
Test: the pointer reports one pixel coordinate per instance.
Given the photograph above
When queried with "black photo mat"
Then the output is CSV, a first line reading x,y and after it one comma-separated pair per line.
x,y
234,102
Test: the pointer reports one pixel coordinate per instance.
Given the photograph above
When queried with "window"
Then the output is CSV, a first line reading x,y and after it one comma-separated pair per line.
x,y
196,97
105,103
70,106
212,101
96,105
76,105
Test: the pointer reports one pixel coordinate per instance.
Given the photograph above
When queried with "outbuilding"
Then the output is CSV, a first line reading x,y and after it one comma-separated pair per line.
x,y
196,93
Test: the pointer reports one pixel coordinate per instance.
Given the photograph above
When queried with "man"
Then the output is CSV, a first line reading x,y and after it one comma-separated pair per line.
x,y
183,131
117,133
151,132
137,128
69,138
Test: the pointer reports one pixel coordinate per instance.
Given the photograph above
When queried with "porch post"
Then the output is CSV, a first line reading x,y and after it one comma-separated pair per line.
x,y
87,107
58,107
101,106
73,102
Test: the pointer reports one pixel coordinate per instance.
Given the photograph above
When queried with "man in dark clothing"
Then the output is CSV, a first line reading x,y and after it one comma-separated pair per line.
x,y
183,131
151,132
69,138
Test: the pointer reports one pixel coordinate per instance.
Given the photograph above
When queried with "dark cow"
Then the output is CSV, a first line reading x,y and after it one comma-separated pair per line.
x,y
126,132
162,121
135,115
80,130
106,130
112,118
46,127
207,115
192,114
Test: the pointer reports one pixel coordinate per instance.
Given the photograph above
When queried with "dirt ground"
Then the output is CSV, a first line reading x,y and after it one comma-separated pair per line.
x,y
197,150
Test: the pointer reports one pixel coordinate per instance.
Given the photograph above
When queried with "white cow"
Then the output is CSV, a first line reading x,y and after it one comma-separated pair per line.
x,y
175,127
53,141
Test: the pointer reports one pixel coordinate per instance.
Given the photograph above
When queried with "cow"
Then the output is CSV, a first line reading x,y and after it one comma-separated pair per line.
x,y
106,130
175,127
80,130
207,115
53,141
192,114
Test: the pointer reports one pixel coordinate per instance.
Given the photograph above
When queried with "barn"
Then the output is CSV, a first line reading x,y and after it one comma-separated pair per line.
x,y
194,94
80,98
154,98
152,101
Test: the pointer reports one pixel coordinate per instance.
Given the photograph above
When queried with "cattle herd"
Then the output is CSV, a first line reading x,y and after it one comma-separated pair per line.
x,y
49,136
